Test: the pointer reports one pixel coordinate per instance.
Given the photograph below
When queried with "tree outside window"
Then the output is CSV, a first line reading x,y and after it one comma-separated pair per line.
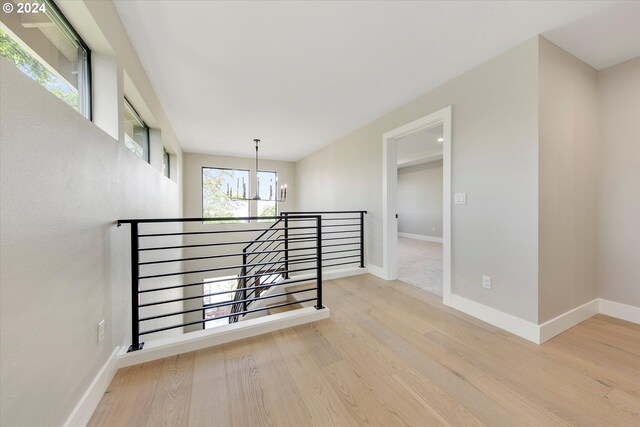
x,y
216,185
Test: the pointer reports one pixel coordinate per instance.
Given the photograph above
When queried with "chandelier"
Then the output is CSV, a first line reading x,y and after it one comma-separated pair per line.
x,y
283,188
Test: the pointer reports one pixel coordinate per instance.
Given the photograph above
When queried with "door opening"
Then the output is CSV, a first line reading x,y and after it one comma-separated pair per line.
x,y
439,120
419,207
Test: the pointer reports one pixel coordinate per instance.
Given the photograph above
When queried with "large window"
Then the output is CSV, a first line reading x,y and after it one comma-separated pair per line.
x,y
44,46
217,183
136,133
268,190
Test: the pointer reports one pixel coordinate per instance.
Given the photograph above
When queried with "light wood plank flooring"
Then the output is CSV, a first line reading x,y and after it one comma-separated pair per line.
x,y
391,355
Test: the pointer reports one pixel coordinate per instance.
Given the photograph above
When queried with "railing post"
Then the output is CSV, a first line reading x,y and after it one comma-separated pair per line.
x,y
286,245
319,261
361,239
135,302
243,272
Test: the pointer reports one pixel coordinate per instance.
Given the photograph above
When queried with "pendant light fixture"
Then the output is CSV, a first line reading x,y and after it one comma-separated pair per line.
x,y
283,188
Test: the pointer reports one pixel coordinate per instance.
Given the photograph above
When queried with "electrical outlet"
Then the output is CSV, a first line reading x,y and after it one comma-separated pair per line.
x,y
433,229
101,331
486,282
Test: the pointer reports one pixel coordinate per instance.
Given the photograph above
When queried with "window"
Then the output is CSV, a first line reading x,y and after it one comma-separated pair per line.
x,y
268,190
217,183
136,133
221,284
166,163
46,48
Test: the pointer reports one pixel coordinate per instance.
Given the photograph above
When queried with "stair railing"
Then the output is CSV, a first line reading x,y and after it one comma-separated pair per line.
x,y
171,260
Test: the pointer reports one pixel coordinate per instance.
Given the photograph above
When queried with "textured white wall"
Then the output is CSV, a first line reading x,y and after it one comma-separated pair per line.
x,y
420,199
619,184
65,264
494,155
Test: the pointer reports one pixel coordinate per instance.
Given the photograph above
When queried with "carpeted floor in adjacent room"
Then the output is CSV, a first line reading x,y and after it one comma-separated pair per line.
x,y
420,264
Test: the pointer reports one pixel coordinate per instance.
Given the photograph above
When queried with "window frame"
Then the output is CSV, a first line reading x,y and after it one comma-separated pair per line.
x,y
146,156
85,97
167,167
84,78
202,191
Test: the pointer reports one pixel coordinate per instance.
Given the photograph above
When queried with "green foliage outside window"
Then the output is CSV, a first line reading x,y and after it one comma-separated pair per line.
x,y
32,67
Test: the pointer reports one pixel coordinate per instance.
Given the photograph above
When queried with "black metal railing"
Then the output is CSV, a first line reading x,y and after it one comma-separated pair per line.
x,y
191,273
342,237
171,262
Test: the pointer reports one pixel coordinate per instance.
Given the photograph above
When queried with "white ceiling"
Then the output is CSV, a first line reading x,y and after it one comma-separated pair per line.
x,y
419,147
300,75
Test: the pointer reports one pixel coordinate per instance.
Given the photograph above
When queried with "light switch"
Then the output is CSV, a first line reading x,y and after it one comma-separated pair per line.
x,y
461,198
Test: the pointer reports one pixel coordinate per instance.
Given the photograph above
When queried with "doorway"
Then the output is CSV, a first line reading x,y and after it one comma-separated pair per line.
x,y
419,202
440,121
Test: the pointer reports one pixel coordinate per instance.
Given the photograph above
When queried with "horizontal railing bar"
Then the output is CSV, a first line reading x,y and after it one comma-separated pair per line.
x,y
341,263
222,231
326,232
342,251
235,291
340,244
341,231
232,267
340,257
300,218
340,238
225,304
320,212
329,232
217,219
303,261
231,291
222,256
217,244
239,313
166,288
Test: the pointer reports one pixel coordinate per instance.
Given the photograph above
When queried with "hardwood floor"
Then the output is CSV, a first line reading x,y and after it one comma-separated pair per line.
x,y
389,355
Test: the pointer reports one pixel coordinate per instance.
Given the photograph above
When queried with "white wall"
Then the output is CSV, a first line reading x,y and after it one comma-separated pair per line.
x,y
65,264
619,184
568,181
495,161
64,183
420,199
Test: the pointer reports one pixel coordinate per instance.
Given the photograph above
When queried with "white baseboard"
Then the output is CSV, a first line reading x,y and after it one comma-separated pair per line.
x,y
83,411
551,328
376,271
559,324
515,325
421,237
222,334
618,310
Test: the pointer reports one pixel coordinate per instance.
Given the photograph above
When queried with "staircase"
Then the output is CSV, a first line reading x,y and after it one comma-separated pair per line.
x,y
278,268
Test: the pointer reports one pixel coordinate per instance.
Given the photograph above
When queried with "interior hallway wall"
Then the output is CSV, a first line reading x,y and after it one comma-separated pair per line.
x,y
568,181
65,263
420,199
495,135
619,184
